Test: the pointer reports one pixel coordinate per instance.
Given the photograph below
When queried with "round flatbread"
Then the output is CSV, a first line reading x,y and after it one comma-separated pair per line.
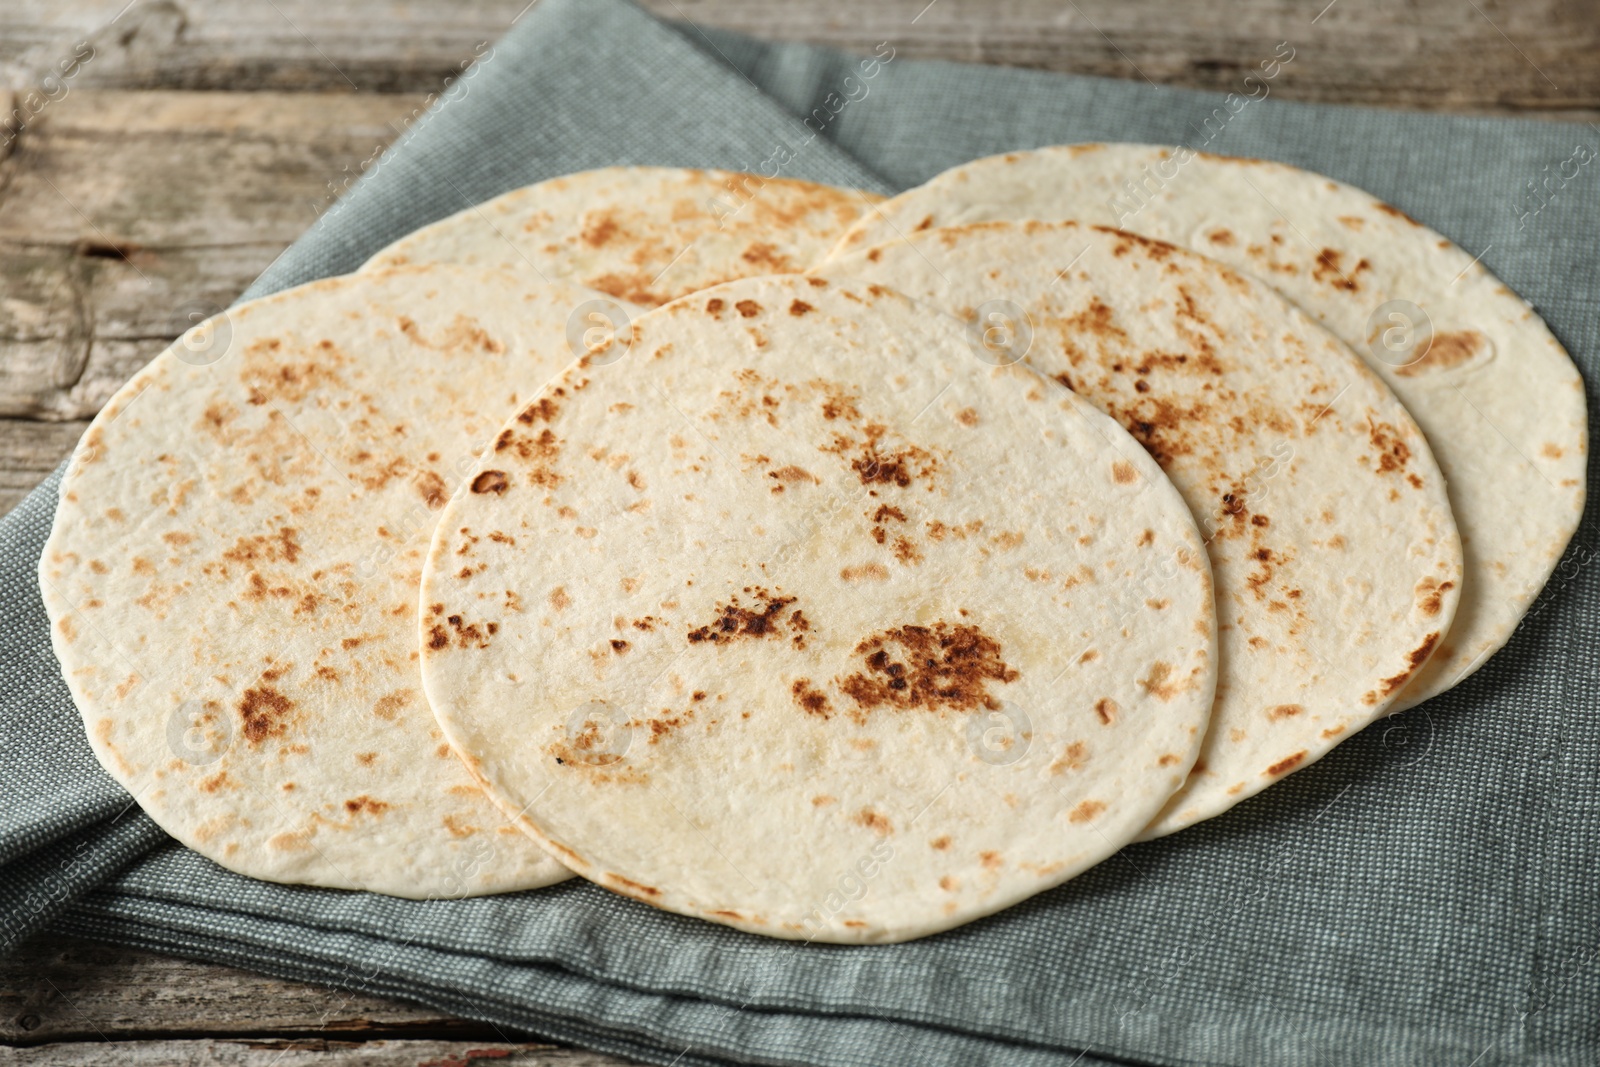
x,y
232,576
1337,564
1497,396
804,618
642,234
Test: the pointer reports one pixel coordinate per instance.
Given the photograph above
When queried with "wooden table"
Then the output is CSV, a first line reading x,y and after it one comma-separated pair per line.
x,y
196,139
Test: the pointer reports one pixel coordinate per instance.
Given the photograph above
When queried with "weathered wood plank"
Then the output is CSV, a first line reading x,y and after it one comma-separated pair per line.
x,y
65,990
28,452
314,1053
69,1001
1433,54
127,216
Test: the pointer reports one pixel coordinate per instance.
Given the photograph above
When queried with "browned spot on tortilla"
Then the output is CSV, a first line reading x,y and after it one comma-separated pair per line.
x,y
619,646
1333,732
1123,472
792,474
491,482
559,599
1097,319
1107,709
628,885
265,712
1329,269
387,707
933,667
1392,452
542,410
714,306
284,547
748,308
1071,758
875,822
822,800
1416,659
875,572
1429,592
1551,451
727,914
1284,766
888,511
940,843
734,620
800,307
1169,759
1086,811
811,701
1447,350
1158,683
967,417
437,637
598,232
432,489
990,860
1284,711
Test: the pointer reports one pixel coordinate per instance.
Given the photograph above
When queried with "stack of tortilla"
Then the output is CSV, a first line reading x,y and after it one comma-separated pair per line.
x,y
827,567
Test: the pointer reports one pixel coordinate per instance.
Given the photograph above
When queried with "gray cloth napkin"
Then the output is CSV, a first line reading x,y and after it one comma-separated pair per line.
x,y
1426,894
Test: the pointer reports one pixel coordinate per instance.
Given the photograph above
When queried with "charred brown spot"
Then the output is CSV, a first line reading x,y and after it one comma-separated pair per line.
x,y
1107,709
1285,711
933,667
282,547
800,307
432,489
1430,593
1392,452
748,308
491,482
1086,811
265,712
1284,766
364,803
811,701
545,410
1123,473
875,822
1447,350
734,620
438,638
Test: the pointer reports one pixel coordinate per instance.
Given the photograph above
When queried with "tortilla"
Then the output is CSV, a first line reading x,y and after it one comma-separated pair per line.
x,y
1337,564
803,618
1497,396
232,576
642,234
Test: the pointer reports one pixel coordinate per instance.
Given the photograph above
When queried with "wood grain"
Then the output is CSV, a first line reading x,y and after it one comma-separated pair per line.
x,y
302,1053
126,217
1491,55
70,1001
